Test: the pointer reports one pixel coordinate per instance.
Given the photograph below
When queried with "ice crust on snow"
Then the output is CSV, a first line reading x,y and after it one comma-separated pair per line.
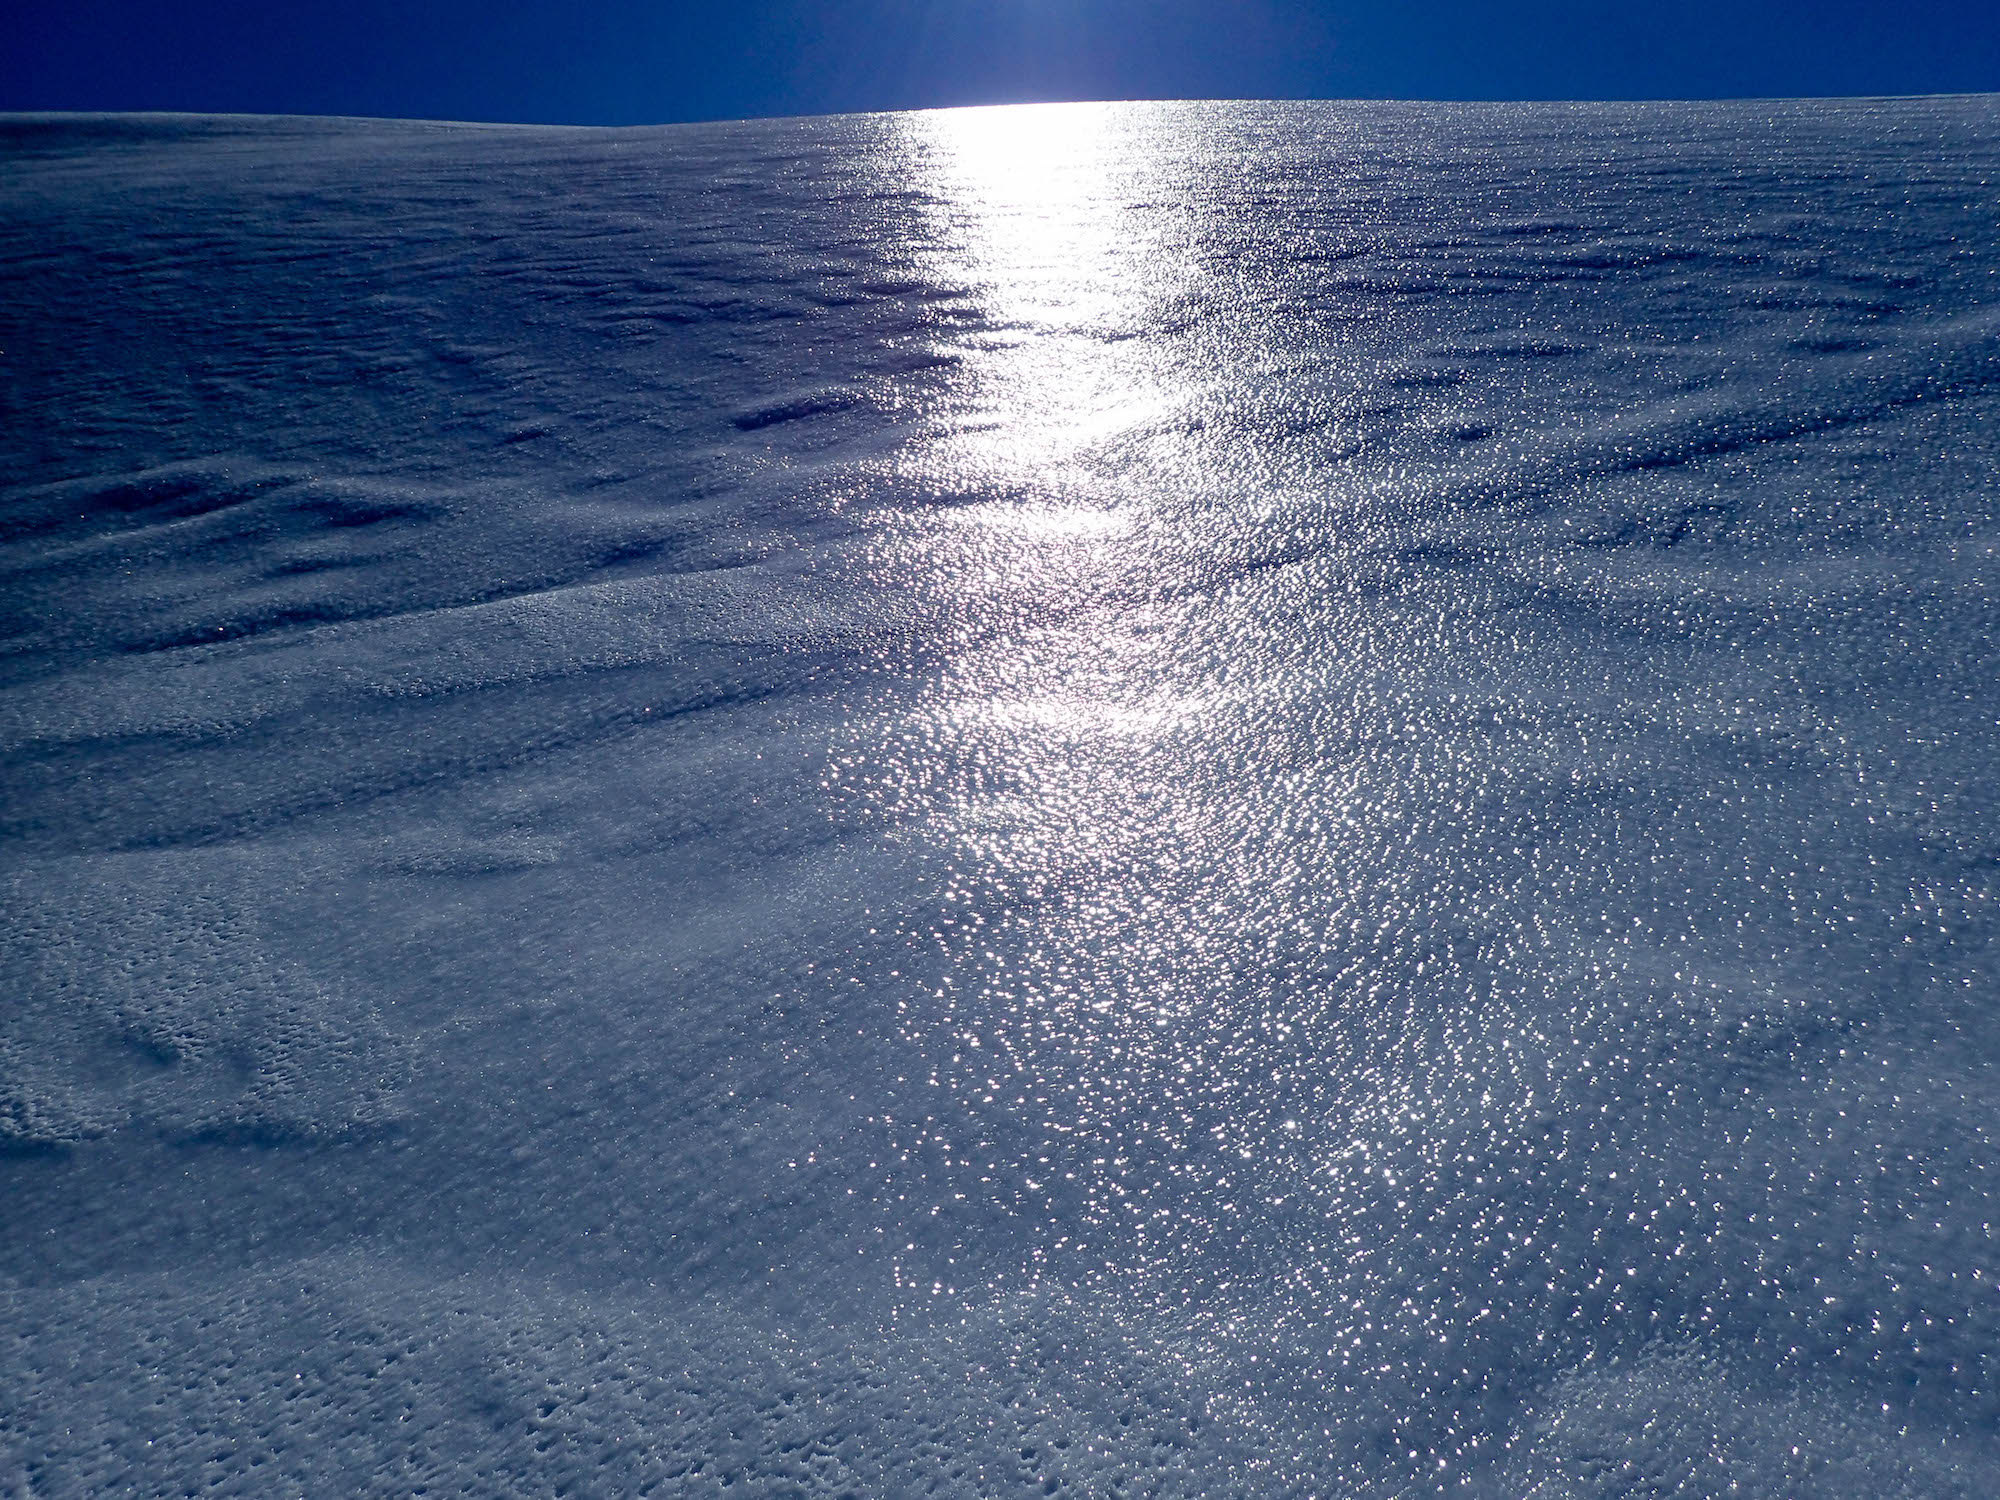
x,y
1146,799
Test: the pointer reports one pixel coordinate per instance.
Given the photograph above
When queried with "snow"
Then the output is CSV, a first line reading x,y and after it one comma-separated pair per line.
x,y
1143,799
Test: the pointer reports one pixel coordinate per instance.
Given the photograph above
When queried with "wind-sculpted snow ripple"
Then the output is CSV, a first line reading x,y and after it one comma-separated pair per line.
x,y
1158,799
147,1003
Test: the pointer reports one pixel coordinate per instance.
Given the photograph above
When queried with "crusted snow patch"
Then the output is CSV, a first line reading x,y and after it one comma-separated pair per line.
x,y
145,998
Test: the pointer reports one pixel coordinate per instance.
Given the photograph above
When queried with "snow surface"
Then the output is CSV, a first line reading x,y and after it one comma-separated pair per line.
x,y
1141,800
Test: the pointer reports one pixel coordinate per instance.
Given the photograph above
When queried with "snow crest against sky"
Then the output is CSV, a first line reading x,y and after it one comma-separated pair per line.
x,y
630,62
1153,800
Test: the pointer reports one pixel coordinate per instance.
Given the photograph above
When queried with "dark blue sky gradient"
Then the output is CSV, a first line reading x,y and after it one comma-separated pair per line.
x,y
624,62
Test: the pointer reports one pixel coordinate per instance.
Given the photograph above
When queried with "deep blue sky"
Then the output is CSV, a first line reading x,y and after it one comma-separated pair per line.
x,y
630,61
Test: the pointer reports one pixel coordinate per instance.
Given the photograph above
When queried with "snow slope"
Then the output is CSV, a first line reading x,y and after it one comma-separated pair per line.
x,y
1143,800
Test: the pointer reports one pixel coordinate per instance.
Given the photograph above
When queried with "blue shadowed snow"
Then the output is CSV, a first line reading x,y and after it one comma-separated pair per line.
x,y
1150,800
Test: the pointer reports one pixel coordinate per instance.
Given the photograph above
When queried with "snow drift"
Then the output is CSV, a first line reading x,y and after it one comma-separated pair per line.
x,y
1147,799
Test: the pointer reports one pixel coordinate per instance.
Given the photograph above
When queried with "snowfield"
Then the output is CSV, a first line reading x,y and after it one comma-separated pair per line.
x,y
1142,800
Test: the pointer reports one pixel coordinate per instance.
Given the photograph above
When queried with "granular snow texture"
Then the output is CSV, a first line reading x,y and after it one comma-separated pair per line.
x,y
1145,800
